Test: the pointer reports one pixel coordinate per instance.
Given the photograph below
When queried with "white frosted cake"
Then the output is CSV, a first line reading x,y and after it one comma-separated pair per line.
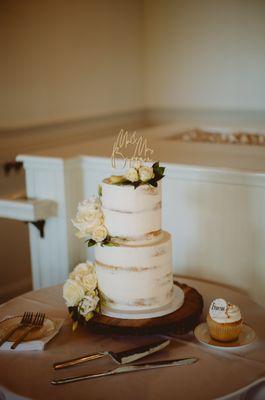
x,y
132,275
135,277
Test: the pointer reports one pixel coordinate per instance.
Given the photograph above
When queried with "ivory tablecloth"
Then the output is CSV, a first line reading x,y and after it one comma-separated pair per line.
x,y
217,374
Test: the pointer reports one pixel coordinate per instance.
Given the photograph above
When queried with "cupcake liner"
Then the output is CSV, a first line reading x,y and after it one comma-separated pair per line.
x,y
225,332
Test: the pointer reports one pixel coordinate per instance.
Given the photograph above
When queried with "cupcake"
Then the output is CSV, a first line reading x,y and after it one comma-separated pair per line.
x,y
224,321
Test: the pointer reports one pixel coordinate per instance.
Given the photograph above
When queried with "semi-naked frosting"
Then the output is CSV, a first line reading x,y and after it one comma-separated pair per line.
x,y
126,198
133,277
137,274
131,213
223,312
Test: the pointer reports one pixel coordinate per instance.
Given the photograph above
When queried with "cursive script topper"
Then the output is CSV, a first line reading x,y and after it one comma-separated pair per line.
x,y
129,148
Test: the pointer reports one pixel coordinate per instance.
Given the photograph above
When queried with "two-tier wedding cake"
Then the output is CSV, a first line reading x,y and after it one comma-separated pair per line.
x,y
132,275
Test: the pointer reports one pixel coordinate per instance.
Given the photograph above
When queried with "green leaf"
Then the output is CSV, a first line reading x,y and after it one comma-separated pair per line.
x,y
74,326
136,184
160,170
153,183
111,244
89,316
99,190
160,177
91,243
117,179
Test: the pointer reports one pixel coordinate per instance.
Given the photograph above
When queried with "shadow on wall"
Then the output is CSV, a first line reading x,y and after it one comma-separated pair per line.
x,y
15,268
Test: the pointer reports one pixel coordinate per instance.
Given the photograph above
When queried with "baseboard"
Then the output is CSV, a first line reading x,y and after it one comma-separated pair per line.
x,y
15,288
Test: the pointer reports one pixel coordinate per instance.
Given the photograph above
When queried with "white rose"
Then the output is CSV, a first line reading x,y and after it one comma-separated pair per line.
x,y
86,206
88,217
82,228
88,304
82,269
132,175
100,233
73,292
89,282
146,173
85,275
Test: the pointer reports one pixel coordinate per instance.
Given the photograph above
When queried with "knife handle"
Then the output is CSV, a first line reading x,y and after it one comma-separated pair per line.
x,y
81,378
78,360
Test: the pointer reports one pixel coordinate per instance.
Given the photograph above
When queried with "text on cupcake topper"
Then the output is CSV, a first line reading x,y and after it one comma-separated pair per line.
x,y
129,148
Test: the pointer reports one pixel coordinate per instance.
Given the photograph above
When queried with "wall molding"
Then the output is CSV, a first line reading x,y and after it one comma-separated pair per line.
x,y
141,117
99,122
29,139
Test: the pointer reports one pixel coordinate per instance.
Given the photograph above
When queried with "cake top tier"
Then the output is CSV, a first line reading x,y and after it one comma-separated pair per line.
x,y
128,208
131,214
131,203
127,199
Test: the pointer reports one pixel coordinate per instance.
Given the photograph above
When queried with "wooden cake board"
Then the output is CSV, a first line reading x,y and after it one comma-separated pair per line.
x,y
180,322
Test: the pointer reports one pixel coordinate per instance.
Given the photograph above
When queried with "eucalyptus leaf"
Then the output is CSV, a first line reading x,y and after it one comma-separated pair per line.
x,y
74,326
153,183
91,243
111,244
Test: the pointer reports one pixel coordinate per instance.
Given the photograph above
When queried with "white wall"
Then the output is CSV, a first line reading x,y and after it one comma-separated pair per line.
x,y
65,59
205,54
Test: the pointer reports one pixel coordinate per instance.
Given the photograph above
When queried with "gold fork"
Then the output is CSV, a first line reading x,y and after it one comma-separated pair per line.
x,y
25,321
36,323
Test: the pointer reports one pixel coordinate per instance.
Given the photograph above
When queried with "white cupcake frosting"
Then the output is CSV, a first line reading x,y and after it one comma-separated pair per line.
x,y
223,312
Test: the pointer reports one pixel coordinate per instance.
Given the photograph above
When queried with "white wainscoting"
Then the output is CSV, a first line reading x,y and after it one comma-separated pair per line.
x,y
216,218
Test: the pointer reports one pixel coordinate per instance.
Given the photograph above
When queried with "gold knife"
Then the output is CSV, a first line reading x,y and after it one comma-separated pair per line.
x,y
126,369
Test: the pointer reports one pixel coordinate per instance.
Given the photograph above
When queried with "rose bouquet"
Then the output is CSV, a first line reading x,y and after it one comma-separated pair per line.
x,y
140,175
89,221
81,294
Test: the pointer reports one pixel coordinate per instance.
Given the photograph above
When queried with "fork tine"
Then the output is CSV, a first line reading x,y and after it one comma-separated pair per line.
x,y
29,318
38,320
35,321
42,318
24,317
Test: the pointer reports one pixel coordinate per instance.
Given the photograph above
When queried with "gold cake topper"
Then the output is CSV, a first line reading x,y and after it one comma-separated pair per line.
x,y
129,148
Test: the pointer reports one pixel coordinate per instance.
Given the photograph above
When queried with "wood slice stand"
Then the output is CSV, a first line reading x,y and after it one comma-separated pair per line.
x,y
180,322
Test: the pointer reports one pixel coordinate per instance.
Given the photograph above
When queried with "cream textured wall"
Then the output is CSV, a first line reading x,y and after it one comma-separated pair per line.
x,y
65,59
205,54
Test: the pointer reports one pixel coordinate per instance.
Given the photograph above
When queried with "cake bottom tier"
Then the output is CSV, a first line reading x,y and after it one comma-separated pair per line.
x,y
136,278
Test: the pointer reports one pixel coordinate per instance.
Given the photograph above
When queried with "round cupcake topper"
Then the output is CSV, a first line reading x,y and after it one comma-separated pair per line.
x,y
218,308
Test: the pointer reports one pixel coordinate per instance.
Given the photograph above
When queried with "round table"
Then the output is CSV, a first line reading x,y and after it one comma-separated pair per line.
x,y
218,373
